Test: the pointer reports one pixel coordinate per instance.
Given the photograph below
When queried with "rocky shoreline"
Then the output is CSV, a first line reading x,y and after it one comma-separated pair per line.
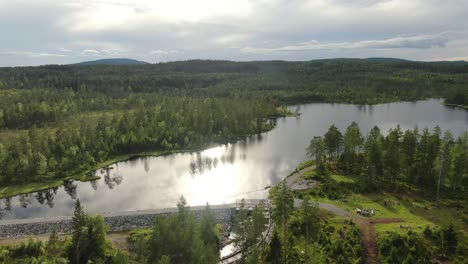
x,y
116,222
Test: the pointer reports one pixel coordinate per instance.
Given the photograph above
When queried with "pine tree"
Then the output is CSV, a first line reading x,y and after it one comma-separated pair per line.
x,y
283,202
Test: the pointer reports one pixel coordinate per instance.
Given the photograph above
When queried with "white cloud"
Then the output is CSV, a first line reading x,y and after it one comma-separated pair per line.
x,y
234,30
31,54
163,52
400,42
90,52
96,52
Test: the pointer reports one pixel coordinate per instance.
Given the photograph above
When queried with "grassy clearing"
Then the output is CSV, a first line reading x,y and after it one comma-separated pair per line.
x,y
341,178
416,211
305,164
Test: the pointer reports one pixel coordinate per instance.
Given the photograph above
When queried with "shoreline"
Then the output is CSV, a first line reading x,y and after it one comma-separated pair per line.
x,y
15,190
117,222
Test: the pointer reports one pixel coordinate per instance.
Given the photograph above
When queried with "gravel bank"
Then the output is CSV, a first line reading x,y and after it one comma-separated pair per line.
x,y
116,221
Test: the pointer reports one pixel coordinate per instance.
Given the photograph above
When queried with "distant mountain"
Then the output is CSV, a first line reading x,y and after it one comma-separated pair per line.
x,y
384,60
119,61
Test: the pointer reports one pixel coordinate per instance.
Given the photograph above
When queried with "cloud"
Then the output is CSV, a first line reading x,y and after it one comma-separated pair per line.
x,y
95,52
400,42
90,52
32,54
233,30
163,52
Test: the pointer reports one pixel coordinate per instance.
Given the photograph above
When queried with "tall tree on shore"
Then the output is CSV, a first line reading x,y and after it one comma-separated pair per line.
x,y
353,140
374,154
333,140
316,149
392,155
241,227
408,152
460,162
283,202
444,162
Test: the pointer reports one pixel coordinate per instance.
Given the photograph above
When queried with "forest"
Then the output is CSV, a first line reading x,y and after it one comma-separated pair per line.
x,y
432,161
417,176
171,123
58,122
334,80
63,120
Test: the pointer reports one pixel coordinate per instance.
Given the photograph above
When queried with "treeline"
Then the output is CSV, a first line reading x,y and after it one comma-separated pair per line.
x,y
422,159
336,80
179,238
459,97
175,123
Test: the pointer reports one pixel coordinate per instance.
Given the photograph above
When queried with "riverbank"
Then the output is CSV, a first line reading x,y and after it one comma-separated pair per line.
x,y
84,174
457,106
9,191
117,222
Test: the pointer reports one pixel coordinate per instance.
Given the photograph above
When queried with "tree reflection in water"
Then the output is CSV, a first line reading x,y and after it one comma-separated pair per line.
x,y
70,187
112,181
94,184
47,196
202,164
5,205
25,200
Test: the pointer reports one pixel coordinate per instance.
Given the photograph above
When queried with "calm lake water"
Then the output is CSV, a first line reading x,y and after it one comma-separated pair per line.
x,y
227,172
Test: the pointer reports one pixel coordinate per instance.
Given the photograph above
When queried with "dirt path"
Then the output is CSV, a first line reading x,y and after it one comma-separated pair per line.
x,y
290,180
369,236
366,225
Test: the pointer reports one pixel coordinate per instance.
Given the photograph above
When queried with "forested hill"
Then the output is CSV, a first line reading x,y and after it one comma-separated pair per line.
x,y
121,61
372,80
62,120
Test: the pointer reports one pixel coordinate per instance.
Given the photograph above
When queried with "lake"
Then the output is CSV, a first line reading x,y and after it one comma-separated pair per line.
x,y
227,172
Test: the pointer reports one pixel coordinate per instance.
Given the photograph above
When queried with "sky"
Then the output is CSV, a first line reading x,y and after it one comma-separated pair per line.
x,y
38,32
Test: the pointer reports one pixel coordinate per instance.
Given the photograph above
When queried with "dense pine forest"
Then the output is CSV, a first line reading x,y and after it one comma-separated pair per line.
x,y
60,120
337,80
429,166
431,161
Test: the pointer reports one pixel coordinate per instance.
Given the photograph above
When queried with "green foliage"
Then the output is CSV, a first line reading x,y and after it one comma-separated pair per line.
x,y
333,141
249,227
440,242
274,251
88,245
423,159
88,241
181,239
157,124
396,248
283,205
335,241
72,117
